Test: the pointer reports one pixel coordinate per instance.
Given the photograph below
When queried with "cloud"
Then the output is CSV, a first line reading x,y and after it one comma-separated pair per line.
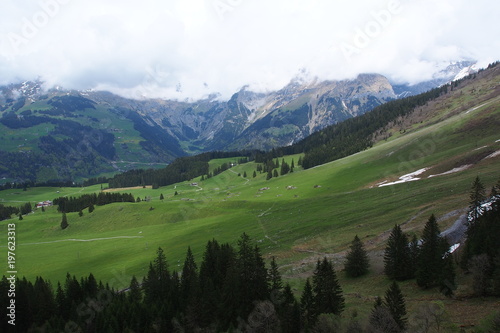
x,y
192,48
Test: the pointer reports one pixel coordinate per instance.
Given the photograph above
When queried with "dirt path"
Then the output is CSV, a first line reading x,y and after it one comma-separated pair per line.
x,y
81,240
247,180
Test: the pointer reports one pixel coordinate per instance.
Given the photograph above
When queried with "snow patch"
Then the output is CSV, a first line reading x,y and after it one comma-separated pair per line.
x,y
410,177
460,168
495,154
454,247
480,148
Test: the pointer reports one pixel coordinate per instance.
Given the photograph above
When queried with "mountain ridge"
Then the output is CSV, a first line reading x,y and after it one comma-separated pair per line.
x,y
157,131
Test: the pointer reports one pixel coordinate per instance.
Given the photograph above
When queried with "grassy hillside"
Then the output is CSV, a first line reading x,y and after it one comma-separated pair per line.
x,y
298,218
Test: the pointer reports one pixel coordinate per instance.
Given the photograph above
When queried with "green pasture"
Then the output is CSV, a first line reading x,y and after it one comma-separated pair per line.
x,y
298,217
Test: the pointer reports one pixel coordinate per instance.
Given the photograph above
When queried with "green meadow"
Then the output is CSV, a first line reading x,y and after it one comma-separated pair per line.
x,y
299,217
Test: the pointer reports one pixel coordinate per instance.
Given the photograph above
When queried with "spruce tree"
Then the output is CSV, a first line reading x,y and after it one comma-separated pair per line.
x,y
275,282
189,285
432,251
357,263
161,196
477,196
395,302
328,296
64,222
91,208
307,306
135,294
397,263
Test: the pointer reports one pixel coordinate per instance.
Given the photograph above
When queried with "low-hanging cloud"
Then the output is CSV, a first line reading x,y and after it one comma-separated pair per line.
x,y
192,48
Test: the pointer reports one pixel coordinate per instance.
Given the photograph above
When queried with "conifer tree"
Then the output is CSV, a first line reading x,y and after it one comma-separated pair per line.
x,y
357,263
91,208
64,221
254,174
289,311
161,196
274,278
431,253
307,306
395,302
328,296
477,196
397,263
189,286
135,294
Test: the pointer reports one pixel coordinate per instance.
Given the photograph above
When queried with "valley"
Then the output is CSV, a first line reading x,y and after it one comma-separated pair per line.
x,y
420,164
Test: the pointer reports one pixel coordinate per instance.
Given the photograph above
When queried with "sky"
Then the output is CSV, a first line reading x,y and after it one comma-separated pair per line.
x,y
189,49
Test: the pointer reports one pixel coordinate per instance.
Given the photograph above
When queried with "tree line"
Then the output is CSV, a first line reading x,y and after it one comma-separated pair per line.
x,y
181,169
77,204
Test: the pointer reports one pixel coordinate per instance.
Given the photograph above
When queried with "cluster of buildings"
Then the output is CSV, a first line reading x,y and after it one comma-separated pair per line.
x,y
46,203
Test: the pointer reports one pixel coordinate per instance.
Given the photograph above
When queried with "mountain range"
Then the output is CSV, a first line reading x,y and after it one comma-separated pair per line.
x,y
68,134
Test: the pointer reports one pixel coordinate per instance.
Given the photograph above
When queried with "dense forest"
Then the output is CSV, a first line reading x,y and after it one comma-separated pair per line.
x,y
77,204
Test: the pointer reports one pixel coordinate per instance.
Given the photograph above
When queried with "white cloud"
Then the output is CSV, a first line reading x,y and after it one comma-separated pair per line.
x,y
190,48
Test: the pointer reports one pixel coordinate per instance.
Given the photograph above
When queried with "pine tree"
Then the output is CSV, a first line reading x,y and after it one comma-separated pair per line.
x,y
161,196
275,282
91,208
397,263
254,174
252,274
80,213
64,222
275,173
395,302
477,196
135,294
307,306
357,263
244,174
21,217
431,254
189,286
328,296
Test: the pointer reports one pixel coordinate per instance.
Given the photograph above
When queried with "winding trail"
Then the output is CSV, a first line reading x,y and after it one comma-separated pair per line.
x,y
247,180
